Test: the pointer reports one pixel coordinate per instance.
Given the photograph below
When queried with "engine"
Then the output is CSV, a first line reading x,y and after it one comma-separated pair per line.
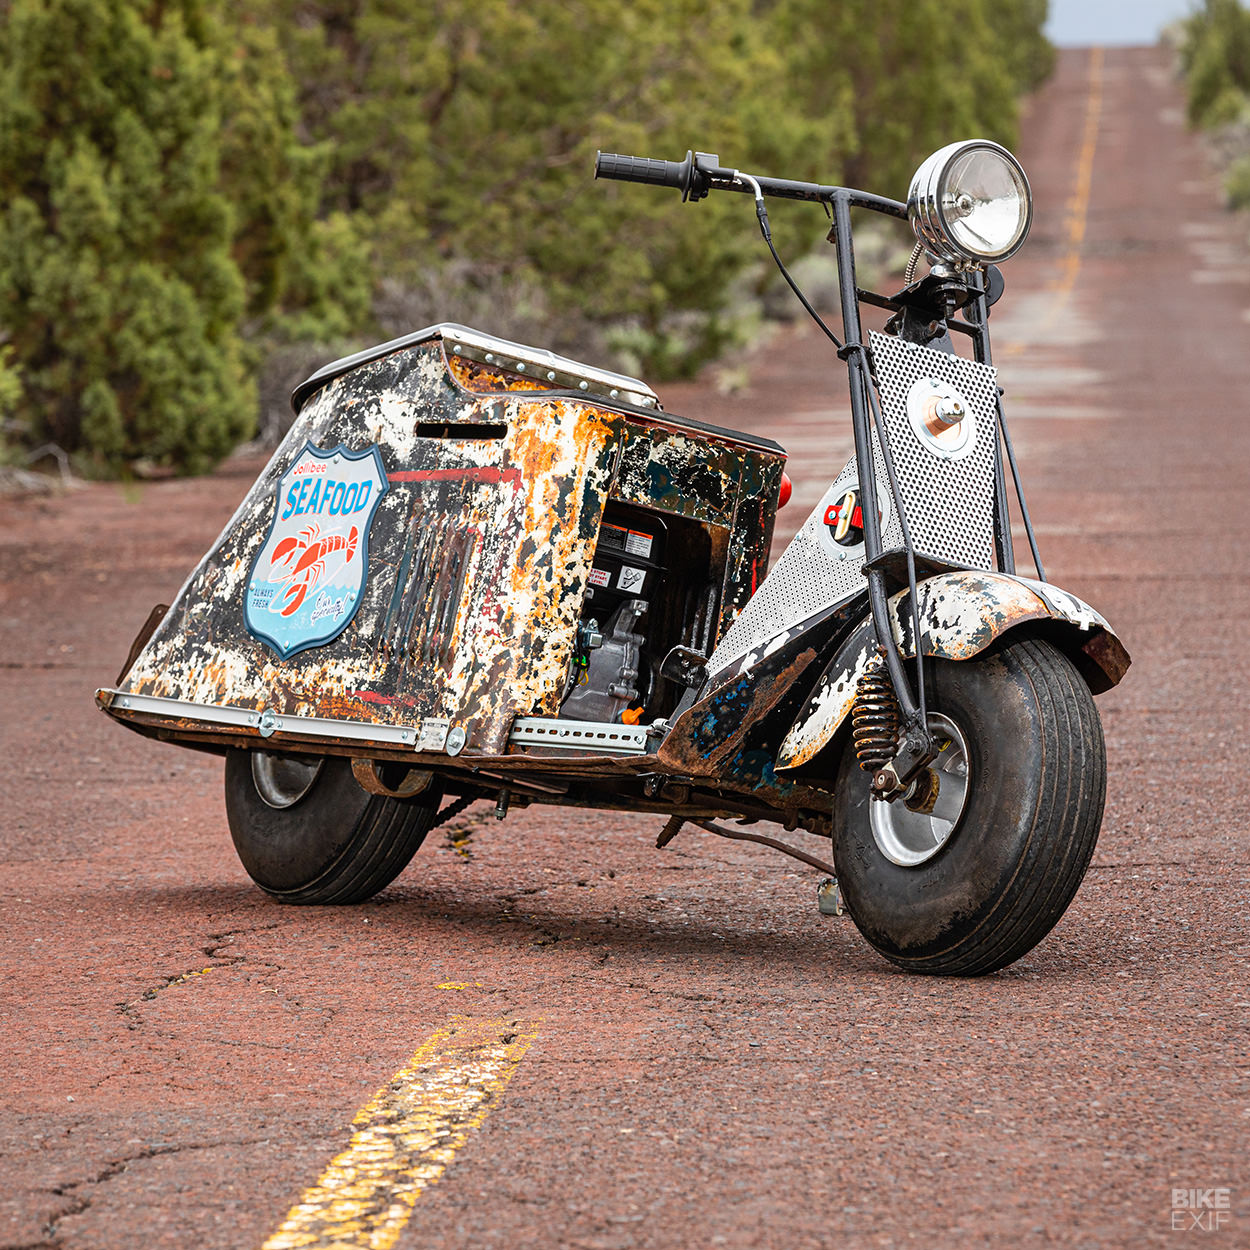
x,y
614,663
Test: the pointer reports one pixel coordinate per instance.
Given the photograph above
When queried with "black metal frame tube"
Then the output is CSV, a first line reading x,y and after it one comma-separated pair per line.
x,y
1015,477
784,189
855,354
1002,519
1002,509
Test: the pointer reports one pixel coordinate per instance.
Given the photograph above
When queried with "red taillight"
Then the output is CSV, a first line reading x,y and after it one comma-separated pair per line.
x,y
787,488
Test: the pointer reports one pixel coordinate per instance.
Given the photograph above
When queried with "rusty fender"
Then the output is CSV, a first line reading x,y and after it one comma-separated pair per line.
x,y
960,615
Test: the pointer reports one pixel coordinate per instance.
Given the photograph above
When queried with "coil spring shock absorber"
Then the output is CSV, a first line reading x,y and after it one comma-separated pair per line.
x,y
876,717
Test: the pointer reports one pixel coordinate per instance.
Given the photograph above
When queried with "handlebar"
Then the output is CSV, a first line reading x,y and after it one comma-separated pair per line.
x,y
701,172
690,176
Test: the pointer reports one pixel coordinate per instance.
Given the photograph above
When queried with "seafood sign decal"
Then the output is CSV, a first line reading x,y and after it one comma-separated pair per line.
x,y
307,581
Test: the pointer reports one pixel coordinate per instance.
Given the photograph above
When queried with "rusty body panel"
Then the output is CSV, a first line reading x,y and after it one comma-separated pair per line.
x,y
727,737
479,555
479,577
960,615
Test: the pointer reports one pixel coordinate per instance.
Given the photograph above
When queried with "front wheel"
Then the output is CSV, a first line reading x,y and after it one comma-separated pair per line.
x,y
307,833
1016,801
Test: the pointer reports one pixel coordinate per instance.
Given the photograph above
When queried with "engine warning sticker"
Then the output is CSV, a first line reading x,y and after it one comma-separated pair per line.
x,y
632,542
638,544
600,577
631,578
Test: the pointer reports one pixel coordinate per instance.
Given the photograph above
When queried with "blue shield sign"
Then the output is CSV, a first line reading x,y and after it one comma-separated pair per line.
x,y
308,579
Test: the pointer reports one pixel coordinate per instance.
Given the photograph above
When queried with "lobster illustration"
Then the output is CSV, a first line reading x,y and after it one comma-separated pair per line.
x,y
301,562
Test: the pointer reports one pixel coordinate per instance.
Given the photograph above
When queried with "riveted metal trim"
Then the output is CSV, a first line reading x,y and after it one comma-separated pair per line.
x,y
578,735
545,366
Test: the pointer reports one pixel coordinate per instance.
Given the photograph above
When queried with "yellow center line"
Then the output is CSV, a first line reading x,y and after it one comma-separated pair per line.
x,y
406,1136
1061,286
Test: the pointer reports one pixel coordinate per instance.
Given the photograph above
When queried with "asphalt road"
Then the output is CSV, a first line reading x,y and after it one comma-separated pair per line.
x,y
608,1047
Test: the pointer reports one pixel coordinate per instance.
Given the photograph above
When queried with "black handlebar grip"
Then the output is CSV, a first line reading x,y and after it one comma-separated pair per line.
x,y
643,169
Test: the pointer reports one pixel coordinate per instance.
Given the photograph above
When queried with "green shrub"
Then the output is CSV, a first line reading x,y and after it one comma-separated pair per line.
x,y
195,190
1237,183
1215,57
154,204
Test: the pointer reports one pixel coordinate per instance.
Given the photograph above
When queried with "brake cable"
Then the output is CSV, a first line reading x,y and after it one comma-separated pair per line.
x,y
766,230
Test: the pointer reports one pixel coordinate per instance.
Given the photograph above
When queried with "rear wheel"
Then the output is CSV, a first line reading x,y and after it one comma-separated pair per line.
x,y
1016,801
307,833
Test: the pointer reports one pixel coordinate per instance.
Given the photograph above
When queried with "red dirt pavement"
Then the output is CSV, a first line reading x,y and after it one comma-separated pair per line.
x,y
717,1065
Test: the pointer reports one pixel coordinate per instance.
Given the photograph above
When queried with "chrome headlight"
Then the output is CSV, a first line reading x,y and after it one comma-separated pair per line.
x,y
970,201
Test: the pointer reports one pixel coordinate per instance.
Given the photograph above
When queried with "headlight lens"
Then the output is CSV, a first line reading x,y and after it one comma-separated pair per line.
x,y
970,201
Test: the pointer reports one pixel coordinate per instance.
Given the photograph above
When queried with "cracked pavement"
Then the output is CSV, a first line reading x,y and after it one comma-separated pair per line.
x,y
716,1064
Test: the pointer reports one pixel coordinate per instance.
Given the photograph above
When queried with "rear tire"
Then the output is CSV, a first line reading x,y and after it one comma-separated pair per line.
x,y
988,888
306,832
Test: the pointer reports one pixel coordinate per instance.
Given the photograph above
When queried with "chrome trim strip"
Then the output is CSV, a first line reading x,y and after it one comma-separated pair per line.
x,y
492,350
265,723
570,374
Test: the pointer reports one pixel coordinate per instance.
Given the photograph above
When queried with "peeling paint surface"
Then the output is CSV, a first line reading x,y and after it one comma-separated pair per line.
x,y
829,707
687,473
484,379
960,615
479,553
713,730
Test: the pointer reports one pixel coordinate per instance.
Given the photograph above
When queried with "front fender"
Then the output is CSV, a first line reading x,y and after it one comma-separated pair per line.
x,y
961,613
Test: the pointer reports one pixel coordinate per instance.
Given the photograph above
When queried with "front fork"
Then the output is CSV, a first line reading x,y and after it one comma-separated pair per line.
x,y
903,773
917,746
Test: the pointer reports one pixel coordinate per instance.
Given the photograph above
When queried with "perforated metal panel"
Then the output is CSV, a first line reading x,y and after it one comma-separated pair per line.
x,y
949,502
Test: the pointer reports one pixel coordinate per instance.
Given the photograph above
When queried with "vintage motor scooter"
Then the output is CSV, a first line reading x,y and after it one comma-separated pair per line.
x,y
477,570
